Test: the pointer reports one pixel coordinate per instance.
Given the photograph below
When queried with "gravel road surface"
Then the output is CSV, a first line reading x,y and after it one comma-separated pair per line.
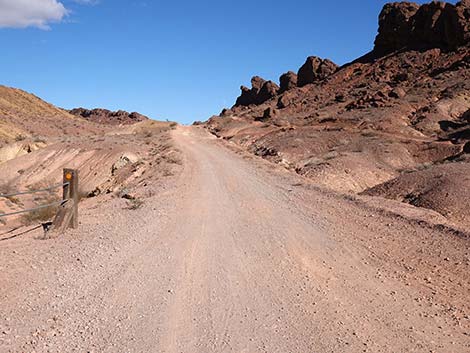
x,y
236,255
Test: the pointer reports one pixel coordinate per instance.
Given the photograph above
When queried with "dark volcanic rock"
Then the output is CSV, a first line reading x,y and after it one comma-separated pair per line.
x,y
397,93
261,91
104,116
466,148
226,112
249,96
246,97
395,26
268,113
405,25
288,81
256,83
315,69
268,91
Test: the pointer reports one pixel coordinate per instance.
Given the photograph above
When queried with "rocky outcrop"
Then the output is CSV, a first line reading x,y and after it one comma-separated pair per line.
x,y
439,26
315,69
288,81
104,116
268,91
261,91
406,25
249,96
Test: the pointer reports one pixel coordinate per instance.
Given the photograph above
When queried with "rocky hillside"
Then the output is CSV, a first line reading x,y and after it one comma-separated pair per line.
x,y
24,116
104,116
399,115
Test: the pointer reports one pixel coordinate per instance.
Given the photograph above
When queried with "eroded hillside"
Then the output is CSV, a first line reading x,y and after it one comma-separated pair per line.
x,y
38,140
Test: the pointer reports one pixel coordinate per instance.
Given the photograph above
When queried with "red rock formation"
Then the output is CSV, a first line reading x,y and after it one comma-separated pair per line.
x,y
288,81
405,25
315,69
260,92
268,91
249,96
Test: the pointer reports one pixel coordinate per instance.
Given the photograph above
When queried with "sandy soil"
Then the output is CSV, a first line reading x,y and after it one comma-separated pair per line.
x,y
236,255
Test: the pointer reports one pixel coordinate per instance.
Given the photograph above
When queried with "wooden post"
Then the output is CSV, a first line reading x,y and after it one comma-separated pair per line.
x,y
62,219
70,192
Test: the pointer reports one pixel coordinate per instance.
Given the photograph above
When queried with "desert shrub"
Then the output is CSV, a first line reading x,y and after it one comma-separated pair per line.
x,y
39,140
134,204
173,158
15,200
82,194
368,133
330,155
41,215
20,137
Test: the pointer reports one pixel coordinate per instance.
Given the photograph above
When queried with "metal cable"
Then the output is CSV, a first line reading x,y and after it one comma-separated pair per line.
x,y
22,233
32,209
10,231
34,191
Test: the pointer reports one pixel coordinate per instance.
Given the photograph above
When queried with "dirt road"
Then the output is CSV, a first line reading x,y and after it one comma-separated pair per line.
x,y
235,255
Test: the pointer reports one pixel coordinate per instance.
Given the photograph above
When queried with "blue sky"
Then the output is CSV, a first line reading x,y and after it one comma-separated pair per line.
x,y
176,60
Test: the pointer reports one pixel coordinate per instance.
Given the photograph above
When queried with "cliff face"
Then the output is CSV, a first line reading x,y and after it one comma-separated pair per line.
x,y
405,25
404,109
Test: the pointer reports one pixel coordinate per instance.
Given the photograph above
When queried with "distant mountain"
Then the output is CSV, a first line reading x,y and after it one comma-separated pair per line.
x,y
23,116
104,116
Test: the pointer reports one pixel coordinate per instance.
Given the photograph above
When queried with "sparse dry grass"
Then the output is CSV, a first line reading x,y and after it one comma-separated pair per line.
x,y
39,140
42,215
2,221
14,200
20,138
134,204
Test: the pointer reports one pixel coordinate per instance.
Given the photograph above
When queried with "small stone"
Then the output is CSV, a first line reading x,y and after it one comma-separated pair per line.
x,y
397,93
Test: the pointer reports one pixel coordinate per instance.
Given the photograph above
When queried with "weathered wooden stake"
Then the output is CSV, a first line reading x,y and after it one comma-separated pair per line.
x,y
62,219
70,192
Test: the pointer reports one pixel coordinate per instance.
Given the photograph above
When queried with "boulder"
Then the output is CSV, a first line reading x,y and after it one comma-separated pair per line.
x,y
269,113
466,148
226,112
288,81
466,116
286,99
397,92
315,69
